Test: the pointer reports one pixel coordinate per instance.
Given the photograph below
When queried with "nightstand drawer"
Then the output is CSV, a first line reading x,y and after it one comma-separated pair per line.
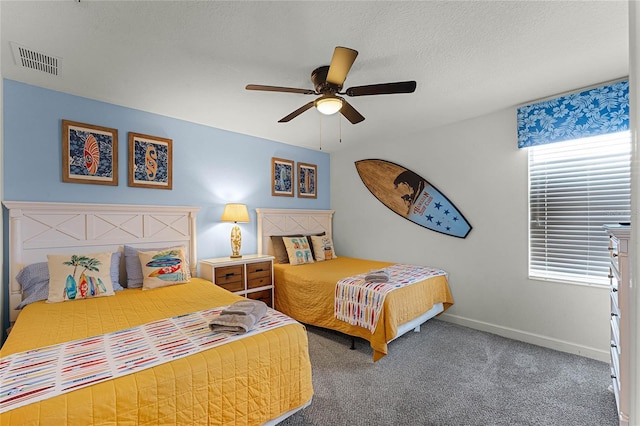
x,y
259,269
258,274
230,277
263,295
259,282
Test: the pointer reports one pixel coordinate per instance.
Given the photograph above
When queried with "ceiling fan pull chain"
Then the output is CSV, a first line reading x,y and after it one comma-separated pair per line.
x,y
320,132
340,127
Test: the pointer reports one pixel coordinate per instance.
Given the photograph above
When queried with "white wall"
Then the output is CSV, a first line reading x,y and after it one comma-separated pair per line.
x,y
477,165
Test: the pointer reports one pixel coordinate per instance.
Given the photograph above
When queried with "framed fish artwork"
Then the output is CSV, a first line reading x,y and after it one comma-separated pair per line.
x,y
282,177
150,161
89,154
307,180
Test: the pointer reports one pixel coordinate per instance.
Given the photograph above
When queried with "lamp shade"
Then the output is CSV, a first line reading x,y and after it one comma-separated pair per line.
x,y
329,104
234,212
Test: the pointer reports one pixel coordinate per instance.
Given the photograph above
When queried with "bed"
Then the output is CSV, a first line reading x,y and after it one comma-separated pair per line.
x,y
306,292
260,378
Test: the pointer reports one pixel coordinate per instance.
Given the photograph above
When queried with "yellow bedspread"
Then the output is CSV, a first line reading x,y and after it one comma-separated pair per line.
x,y
248,381
306,292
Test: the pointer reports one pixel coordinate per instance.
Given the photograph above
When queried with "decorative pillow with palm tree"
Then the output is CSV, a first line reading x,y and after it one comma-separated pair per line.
x,y
79,276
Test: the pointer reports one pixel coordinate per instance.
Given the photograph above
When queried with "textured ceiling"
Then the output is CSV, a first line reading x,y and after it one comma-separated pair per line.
x,y
192,60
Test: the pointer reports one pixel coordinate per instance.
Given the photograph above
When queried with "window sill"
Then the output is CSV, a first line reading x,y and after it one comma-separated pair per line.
x,y
601,286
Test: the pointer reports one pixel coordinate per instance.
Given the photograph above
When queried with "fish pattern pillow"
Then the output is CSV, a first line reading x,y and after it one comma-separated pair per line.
x,y
162,268
79,276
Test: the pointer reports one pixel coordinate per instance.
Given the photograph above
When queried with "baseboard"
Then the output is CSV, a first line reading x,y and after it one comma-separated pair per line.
x,y
523,336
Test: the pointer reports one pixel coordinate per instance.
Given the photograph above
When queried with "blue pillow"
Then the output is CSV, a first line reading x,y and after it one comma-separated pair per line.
x,y
133,266
115,270
34,280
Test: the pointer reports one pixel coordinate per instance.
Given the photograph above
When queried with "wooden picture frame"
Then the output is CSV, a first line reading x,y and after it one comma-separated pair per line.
x,y
150,161
282,177
307,180
89,154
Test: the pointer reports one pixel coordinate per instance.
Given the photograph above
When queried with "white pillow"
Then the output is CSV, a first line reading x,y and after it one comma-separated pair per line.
x,y
79,276
298,250
323,247
163,268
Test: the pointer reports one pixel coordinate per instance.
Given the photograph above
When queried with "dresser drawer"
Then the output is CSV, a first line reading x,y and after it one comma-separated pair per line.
x,y
616,387
613,294
615,328
230,277
614,250
615,333
263,295
258,274
615,367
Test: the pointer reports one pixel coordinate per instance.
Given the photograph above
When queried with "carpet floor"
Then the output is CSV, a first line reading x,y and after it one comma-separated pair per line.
x,y
452,375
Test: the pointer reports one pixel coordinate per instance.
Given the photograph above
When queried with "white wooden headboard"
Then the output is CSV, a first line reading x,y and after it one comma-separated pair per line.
x,y
37,229
290,221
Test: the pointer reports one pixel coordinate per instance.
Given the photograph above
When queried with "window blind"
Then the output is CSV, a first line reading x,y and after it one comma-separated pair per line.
x,y
575,187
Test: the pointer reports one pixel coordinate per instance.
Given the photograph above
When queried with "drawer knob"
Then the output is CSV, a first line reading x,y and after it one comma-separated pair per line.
x,y
259,270
613,314
615,255
614,289
613,345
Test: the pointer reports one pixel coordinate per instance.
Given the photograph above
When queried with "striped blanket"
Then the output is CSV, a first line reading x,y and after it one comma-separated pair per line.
x,y
359,302
42,373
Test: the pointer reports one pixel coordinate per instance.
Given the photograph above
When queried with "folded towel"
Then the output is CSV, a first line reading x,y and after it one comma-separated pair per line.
x,y
232,323
246,307
240,317
379,276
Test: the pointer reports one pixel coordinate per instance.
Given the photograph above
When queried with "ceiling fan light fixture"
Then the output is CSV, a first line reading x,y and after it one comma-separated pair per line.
x,y
329,105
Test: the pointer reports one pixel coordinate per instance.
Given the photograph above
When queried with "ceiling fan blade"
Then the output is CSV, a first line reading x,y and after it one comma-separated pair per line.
x,y
297,112
279,89
343,58
350,113
382,89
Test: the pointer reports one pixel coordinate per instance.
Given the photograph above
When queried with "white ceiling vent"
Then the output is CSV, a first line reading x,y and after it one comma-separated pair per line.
x,y
29,58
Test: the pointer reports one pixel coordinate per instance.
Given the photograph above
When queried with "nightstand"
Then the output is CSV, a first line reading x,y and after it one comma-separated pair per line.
x,y
250,276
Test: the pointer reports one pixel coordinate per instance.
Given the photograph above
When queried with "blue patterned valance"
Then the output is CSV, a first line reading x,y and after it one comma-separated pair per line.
x,y
593,112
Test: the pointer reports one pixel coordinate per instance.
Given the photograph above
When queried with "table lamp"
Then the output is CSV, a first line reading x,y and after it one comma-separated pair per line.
x,y
234,212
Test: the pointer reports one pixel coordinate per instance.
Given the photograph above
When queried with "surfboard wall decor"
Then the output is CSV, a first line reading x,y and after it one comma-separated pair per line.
x,y
412,197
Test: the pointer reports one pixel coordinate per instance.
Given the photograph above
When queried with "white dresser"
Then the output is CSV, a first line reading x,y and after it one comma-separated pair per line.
x,y
619,294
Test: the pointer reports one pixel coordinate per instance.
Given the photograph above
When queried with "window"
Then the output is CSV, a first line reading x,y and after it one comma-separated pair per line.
x,y
575,187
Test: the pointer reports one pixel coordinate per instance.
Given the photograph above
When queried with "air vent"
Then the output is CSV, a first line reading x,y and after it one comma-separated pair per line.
x,y
29,58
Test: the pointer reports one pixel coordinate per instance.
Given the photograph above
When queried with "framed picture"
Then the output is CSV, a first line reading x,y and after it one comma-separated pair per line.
x,y
150,161
89,154
282,177
307,180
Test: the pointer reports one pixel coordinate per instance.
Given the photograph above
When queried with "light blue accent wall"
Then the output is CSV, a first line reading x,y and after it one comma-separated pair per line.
x,y
210,166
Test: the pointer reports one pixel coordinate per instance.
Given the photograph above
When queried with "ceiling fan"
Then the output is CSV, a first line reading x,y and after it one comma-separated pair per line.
x,y
328,81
